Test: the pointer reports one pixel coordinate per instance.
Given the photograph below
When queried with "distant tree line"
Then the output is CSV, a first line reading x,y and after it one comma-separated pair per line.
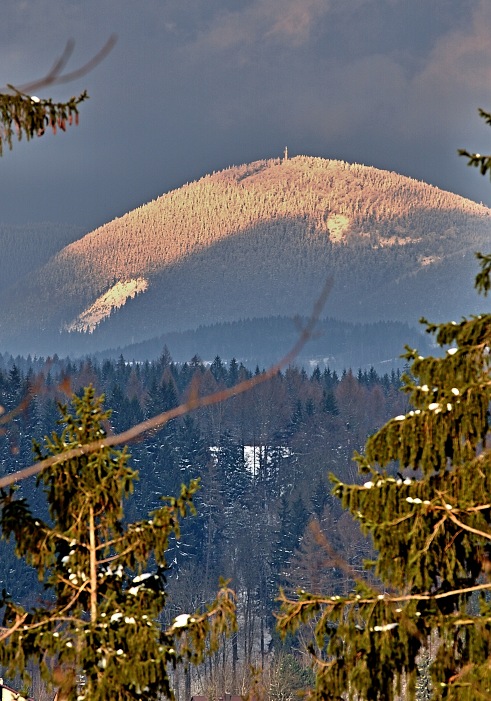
x,y
260,341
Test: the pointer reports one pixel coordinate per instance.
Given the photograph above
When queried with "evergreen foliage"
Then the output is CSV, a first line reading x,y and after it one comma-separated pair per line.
x,y
105,578
477,160
28,116
249,454
288,679
430,524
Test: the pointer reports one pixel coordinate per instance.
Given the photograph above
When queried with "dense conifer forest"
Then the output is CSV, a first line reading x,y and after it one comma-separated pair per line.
x,y
262,458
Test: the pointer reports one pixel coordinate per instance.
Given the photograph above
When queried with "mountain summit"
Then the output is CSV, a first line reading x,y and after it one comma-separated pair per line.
x,y
253,241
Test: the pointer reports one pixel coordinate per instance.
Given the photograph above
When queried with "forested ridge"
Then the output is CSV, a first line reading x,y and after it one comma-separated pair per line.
x,y
26,248
337,344
266,235
262,457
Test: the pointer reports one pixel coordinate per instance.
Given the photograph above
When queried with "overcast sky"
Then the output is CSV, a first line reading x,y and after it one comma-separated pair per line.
x,y
193,86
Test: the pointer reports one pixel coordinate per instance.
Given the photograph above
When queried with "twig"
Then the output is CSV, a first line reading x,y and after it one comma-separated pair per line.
x,y
465,527
56,77
193,403
386,598
336,558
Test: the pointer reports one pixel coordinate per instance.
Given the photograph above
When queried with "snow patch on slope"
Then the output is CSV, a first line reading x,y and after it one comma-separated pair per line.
x,y
389,241
429,260
338,225
104,305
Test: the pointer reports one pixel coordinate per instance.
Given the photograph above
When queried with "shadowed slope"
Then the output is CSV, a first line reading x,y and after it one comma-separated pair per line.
x,y
259,240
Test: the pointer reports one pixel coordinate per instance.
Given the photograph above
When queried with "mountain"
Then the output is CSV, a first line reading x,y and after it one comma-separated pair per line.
x,y
25,248
253,241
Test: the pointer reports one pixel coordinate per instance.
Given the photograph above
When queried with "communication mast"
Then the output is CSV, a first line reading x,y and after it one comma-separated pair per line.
x,y
286,154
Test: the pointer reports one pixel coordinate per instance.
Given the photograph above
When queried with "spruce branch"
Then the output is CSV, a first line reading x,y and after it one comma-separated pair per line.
x,y
23,114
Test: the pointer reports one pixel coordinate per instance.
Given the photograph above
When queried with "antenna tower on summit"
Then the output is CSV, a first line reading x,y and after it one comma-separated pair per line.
x,y
286,153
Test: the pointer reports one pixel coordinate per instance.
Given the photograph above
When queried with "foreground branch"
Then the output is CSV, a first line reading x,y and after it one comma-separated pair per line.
x,y
193,403
56,76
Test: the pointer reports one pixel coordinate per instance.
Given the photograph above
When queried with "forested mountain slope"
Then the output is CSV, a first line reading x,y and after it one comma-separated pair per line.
x,y
25,248
254,241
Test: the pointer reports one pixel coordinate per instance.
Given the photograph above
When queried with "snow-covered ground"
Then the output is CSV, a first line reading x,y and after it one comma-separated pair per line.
x,y
254,455
114,298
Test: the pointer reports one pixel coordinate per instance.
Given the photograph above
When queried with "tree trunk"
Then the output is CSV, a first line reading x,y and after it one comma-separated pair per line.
x,y
93,567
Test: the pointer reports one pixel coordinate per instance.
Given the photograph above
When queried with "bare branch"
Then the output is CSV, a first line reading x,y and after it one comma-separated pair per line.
x,y
61,62
336,601
6,632
465,527
335,558
56,76
193,403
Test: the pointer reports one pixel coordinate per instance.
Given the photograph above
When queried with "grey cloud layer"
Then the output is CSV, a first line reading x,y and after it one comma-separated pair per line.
x,y
193,86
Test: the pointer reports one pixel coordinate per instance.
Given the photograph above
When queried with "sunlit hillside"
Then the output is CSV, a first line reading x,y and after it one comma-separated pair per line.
x,y
258,240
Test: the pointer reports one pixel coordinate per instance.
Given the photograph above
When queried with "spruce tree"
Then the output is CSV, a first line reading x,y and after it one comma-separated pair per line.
x,y
427,508
426,504
104,578
25,115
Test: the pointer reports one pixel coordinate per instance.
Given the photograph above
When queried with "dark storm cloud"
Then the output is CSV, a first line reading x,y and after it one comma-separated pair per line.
x,y
194,86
